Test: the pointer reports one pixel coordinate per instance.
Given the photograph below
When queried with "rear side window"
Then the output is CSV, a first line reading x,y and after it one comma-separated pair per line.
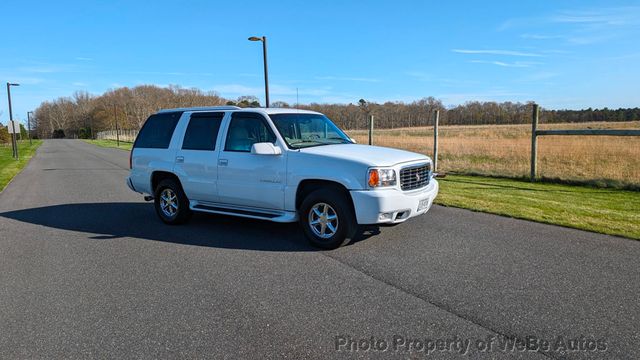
x,y
157,131
202,131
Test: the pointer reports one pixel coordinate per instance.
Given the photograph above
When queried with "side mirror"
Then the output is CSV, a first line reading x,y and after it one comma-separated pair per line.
x,y
265,148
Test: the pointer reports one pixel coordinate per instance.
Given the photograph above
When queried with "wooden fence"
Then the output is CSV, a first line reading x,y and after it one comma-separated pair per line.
x,y
574,132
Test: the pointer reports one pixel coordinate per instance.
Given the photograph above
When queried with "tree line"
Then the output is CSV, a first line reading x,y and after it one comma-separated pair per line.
x,y
82,114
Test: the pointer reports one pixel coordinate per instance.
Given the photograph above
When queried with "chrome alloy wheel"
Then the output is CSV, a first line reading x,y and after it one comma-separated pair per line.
x,y
168,202
323,220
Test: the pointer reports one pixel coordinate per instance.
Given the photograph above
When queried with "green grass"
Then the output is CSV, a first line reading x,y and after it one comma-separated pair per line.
x,y
111,144
9,167
607,211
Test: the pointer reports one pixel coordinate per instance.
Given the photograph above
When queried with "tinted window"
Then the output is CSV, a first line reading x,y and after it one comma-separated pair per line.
x,y
157,131
202,131
247,129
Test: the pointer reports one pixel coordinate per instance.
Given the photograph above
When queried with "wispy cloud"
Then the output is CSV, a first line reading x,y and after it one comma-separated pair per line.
x,y
419,75
540,36
79,84
579,26
444,81
169,73
80,58
515,64
496,52
275,89
22,80
610,17
41,69
489,95
537,77
340,78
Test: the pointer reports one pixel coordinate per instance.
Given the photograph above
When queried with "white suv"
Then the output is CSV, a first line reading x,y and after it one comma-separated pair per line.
x,y
282,165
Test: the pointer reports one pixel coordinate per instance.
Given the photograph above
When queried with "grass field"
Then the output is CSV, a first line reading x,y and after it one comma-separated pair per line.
x,y
608,211
111,144
504,150
9,167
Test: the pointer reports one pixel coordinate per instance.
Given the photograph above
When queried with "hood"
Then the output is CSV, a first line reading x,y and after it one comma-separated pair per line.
x,y
370,155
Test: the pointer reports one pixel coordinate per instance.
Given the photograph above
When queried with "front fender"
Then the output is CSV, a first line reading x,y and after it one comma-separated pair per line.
x,y
301,166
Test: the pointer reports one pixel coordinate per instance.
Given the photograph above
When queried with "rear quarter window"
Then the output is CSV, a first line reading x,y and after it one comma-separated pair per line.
x,y
157,131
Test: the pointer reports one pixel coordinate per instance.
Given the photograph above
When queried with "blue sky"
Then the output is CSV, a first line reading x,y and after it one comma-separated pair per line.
x,y
561,54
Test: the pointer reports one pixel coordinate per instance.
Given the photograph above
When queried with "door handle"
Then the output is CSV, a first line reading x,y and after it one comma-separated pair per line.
x,y
179,159
223,162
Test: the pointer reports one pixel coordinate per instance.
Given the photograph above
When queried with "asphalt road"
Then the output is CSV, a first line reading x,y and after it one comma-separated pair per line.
x,y
88,271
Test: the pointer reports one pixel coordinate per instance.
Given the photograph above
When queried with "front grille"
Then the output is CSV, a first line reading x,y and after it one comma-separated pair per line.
x,y
415,177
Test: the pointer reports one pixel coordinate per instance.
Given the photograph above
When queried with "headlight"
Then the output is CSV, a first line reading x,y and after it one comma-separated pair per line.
x,y
381,178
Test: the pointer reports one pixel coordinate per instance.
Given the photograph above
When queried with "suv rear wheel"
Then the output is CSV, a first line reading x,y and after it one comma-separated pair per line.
x,y
171,203
327,219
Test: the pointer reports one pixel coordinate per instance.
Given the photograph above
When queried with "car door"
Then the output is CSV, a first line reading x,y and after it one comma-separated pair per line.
x,y
247,179
196,160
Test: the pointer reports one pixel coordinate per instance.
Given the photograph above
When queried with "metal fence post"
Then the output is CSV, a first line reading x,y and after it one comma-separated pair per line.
x,y
435,140
534,141
370,129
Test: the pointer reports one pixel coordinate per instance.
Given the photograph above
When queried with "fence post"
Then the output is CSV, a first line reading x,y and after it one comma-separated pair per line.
x,y
435,140
534,141
370,129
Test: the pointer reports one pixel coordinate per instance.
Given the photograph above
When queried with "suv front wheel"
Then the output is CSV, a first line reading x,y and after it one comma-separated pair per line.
x,y
327,219
171,203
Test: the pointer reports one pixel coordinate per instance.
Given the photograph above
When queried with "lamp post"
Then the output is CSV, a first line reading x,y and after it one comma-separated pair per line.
x,y
14,142
29,126
266,73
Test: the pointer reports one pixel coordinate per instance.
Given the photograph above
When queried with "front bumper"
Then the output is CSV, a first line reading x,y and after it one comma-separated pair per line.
x,y
391,206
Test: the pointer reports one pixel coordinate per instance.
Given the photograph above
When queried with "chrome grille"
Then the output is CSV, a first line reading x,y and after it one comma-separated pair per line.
x,y
415,177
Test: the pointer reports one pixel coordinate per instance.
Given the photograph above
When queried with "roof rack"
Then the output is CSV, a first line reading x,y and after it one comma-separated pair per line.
x,y
201,108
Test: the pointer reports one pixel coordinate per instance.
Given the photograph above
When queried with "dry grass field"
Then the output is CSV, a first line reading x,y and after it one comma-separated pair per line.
x,y
504,150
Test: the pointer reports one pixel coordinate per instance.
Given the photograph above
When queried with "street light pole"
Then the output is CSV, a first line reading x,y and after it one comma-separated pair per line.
x,y
29,126
14,142
266,72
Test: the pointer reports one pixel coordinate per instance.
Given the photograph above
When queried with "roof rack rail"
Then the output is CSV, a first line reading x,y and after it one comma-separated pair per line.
x,y
201,108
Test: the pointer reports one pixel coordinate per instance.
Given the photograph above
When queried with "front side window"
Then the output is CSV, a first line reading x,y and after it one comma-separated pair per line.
x,y
306,130
202,131
245,130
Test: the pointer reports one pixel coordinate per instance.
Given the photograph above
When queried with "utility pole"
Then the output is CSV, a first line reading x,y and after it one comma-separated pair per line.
x,y
14,142
115,116
29,126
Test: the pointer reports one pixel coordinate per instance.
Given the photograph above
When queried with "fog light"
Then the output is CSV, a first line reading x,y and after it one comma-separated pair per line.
x,y
385,216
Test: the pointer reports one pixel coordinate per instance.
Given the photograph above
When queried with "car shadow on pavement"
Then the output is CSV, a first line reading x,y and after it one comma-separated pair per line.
x,y
114,220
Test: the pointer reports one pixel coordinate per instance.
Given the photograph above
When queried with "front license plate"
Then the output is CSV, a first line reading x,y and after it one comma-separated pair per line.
x,y
423,204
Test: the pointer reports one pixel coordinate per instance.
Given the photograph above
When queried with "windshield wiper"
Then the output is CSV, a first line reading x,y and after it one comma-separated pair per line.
x,y
344,141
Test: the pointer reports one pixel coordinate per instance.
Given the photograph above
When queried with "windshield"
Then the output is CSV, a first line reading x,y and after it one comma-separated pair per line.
x,y
305,130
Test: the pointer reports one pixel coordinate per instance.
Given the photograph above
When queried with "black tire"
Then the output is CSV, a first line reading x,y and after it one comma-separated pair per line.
x,y
338,205
182,213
